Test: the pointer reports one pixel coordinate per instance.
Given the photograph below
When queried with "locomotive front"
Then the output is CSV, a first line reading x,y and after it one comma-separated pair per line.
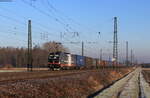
x,y
54,61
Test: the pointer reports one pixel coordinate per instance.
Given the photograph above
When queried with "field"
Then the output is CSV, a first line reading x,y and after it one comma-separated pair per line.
x,y
56,84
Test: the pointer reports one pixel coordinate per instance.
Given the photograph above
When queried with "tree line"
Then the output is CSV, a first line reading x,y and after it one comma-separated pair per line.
x,y
17,57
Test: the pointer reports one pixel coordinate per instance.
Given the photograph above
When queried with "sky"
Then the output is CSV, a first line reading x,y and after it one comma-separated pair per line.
x,y
79,20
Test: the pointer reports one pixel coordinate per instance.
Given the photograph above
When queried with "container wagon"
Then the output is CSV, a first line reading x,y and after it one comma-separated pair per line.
x,y
80,61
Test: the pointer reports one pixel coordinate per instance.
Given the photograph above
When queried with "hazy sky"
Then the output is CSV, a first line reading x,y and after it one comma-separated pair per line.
x,y
87,17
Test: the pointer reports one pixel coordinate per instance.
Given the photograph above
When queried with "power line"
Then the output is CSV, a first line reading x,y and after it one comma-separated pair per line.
x,y
57,11
53,10
39,24
59,16
44,13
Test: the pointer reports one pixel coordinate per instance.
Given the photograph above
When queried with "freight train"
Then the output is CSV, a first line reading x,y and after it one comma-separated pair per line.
x,y
62,60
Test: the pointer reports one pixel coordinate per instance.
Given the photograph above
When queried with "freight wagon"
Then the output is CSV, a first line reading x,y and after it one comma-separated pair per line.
x,y
88,62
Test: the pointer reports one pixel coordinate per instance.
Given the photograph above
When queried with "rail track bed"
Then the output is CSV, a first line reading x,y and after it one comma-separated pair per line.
x,y
132,86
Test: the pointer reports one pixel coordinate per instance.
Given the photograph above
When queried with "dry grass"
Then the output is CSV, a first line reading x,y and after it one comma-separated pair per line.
x,y
146,74
57,84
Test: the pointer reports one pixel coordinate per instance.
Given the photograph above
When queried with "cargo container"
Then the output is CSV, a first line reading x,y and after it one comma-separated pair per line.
x,y
80,60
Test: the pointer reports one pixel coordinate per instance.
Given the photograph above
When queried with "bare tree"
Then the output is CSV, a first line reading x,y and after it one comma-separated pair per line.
x,y
54,47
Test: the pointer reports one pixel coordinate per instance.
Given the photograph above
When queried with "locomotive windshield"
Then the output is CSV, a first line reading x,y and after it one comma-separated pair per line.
x,y
54,57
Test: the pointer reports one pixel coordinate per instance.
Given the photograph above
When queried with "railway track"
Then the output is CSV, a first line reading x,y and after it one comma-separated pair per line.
x,y
131,86
43,75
